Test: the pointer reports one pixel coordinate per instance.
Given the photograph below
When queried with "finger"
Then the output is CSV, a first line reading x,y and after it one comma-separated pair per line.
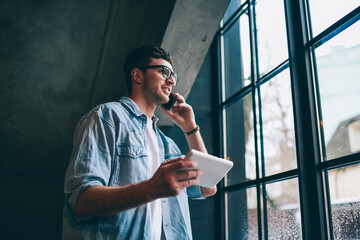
x,y
171,161
180,99
188,174
168,112
171,113
182,106
188,183
181,165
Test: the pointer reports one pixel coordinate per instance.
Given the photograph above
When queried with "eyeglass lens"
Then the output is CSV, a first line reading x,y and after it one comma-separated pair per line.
x,y
167,73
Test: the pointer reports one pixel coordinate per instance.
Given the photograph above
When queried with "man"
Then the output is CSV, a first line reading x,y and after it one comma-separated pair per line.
x,y
126,179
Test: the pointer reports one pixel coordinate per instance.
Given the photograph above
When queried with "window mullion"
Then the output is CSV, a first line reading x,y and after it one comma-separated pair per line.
x,y
255,74
313,207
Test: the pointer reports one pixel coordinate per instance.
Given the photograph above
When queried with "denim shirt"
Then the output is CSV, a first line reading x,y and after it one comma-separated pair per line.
x,y
110,150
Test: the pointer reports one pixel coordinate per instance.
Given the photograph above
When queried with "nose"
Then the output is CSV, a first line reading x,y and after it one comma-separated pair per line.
x,y
171,80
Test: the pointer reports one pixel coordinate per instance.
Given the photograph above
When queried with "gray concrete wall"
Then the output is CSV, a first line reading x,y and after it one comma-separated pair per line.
x,y
188,37
58,59
46,51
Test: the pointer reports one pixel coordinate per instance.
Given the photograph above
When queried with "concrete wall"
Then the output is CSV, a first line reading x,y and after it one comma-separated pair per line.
x,y
188,36
58,59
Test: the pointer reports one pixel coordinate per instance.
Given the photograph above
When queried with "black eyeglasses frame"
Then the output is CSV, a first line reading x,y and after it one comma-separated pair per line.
x,y
163,71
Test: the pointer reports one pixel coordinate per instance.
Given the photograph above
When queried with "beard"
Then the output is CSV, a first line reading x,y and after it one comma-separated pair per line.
x,y
154,94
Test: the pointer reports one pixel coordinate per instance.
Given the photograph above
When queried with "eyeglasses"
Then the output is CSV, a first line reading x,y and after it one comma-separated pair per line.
x,y
166,72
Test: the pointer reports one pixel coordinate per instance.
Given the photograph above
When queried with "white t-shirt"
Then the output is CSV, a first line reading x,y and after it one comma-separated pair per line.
x,y
153,165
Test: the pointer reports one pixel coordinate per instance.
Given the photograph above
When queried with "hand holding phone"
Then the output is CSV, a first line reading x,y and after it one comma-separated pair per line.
x,y
181,114
171,102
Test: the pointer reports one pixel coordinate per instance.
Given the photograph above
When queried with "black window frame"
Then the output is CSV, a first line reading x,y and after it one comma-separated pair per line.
x,y
312,168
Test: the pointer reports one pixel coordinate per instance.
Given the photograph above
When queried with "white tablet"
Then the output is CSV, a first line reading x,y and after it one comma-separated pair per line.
x,y
213,168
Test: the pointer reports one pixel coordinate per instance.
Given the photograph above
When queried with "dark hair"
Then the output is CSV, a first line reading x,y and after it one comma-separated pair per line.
x,y
141,57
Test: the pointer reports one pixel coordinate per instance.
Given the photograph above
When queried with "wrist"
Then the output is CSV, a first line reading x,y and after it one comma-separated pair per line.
x,y
149,193
192,131
188,127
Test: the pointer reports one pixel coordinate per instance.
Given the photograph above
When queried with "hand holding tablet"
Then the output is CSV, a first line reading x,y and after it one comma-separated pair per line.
x,y
213,168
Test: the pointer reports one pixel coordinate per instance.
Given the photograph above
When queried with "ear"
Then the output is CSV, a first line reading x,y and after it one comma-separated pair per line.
x,y
137,75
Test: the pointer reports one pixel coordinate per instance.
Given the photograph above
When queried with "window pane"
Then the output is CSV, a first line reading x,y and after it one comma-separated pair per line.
x,y
278,124
271,34
242,214
233,6
237,56
240,141
283,210
335,10
345,202
338,70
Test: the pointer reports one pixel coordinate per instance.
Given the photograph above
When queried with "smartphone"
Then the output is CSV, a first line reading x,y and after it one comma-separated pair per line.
x,y
171,102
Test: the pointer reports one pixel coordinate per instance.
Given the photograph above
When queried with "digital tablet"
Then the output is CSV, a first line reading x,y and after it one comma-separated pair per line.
x,y
213,168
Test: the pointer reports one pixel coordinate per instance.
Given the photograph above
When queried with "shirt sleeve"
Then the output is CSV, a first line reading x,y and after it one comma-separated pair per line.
x,y
194,192
91,159
173,151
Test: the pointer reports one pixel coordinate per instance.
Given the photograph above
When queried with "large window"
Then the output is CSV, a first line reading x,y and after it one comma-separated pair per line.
x,y
290,119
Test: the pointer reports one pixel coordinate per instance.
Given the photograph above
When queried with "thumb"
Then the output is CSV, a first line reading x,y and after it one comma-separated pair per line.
x,y
168,112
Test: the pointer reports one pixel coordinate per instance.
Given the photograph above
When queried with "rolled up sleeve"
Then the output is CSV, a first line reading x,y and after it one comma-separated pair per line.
x,y
91,159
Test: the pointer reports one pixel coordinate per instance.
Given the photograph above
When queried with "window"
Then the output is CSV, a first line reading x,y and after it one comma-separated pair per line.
x,y
290,119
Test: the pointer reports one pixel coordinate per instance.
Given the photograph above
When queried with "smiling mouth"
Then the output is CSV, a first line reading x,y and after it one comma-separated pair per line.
x,y
166,90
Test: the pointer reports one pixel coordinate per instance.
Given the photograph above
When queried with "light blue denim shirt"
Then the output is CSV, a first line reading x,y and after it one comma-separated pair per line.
x,y
110,150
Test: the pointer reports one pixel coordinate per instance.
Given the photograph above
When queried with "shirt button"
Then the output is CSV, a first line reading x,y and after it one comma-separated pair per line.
x,y
164,201
166,225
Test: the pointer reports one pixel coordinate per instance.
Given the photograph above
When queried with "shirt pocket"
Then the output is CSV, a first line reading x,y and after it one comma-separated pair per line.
x,y
129,137
130,165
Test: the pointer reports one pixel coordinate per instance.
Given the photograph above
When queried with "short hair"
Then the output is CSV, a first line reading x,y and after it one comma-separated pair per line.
x,y
141,57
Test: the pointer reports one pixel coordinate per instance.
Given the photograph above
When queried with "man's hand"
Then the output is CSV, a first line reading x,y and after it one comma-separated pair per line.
x,y
169,180
182,114
173,176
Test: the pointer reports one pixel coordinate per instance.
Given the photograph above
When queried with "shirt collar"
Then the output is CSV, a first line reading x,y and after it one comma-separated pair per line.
x,y
134,108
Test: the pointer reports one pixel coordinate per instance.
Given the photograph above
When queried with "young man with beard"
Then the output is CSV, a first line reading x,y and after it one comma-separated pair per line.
x,y
126,179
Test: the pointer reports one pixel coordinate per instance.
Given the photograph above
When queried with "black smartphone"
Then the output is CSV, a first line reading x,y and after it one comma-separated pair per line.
x,y
171,102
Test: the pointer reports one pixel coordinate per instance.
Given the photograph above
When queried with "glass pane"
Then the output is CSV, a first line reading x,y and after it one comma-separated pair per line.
x,y
233,6
237,56
271,34
278,124
345,201
240,141
335,10
283,210
242,214
338,70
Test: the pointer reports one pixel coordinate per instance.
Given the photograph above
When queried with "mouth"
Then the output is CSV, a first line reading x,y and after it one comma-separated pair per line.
x,y
167,90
